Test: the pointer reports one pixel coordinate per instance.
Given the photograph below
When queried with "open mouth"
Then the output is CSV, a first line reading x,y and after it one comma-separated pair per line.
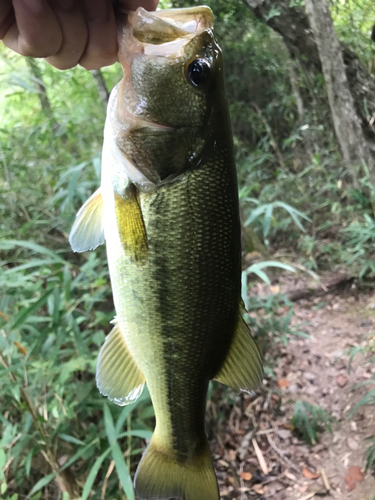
x,y
164,32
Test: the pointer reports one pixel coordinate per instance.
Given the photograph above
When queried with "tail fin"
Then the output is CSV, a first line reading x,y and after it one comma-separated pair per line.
x,y
161,476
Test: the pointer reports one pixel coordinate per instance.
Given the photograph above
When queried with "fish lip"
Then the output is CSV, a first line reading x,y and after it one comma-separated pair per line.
x,y
134,122
182,19
164,32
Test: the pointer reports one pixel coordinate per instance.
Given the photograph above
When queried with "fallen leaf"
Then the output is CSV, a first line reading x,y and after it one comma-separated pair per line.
x,y
246,476
309,474
4,316
284,434
223,463
232,455
240,432
355,473
303,488
290,476
20,348
275,289
260,457
283,383
350,483
353,444
309,376
341,381
258,488
224,493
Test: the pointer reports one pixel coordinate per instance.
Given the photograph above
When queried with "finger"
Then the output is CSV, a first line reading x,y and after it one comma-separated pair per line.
x,y
74,34
101,49
37,32
6,17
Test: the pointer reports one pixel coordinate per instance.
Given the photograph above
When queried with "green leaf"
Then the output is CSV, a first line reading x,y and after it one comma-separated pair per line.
x,y
81,346
129,408
369,398
78,454
28,311
141,433
93,473
123,471
262,275
121,468
259,266
270,263
11,244
267,220
42,483
3,458
33,263
109,426
70,439
254,214
244,296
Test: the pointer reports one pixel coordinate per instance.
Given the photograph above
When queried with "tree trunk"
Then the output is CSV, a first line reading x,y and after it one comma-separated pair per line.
x,y
292,23
101,85
40,87
353,144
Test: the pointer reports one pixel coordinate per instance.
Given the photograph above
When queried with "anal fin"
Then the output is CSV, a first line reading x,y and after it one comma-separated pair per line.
x,y
242,369
117,375
87,232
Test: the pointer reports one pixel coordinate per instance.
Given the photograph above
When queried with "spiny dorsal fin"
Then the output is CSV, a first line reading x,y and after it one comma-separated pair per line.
x,y
242,369
130,224
88,230
117,375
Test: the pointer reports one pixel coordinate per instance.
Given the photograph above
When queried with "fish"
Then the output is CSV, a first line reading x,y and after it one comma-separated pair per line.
x,y
168,210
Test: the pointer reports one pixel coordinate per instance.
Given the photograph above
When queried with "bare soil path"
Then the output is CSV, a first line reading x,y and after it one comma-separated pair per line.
x,y
258,454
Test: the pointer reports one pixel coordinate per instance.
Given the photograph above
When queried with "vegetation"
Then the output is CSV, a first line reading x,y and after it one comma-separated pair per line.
x,y
59,437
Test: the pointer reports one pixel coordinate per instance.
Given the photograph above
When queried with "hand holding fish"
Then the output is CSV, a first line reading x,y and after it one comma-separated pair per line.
x,y
65,32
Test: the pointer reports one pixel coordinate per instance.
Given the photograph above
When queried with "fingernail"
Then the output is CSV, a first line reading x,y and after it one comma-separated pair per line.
x,y
33,6
65,4
98,10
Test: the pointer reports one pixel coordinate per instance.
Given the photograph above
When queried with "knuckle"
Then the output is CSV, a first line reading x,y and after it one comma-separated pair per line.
x,y
60,64
41,47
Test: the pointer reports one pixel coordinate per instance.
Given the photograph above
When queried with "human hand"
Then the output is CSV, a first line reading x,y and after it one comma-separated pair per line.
x,y
65,32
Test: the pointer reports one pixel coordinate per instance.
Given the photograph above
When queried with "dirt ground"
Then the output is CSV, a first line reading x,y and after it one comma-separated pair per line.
x,y
258,454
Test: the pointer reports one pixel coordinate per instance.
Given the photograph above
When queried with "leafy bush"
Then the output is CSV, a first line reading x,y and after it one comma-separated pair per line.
x,y
308,418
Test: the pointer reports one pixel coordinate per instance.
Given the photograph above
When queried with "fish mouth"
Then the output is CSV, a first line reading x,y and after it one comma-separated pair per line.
x,y
166,32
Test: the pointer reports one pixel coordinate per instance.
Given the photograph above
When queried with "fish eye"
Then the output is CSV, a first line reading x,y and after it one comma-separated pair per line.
x,y
198,72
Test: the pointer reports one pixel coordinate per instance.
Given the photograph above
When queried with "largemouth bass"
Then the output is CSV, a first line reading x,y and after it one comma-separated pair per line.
x,y
168,211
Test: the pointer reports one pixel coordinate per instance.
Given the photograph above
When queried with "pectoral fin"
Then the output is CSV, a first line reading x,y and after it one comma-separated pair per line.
x,y
242,369
117,375
88,231
130,224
